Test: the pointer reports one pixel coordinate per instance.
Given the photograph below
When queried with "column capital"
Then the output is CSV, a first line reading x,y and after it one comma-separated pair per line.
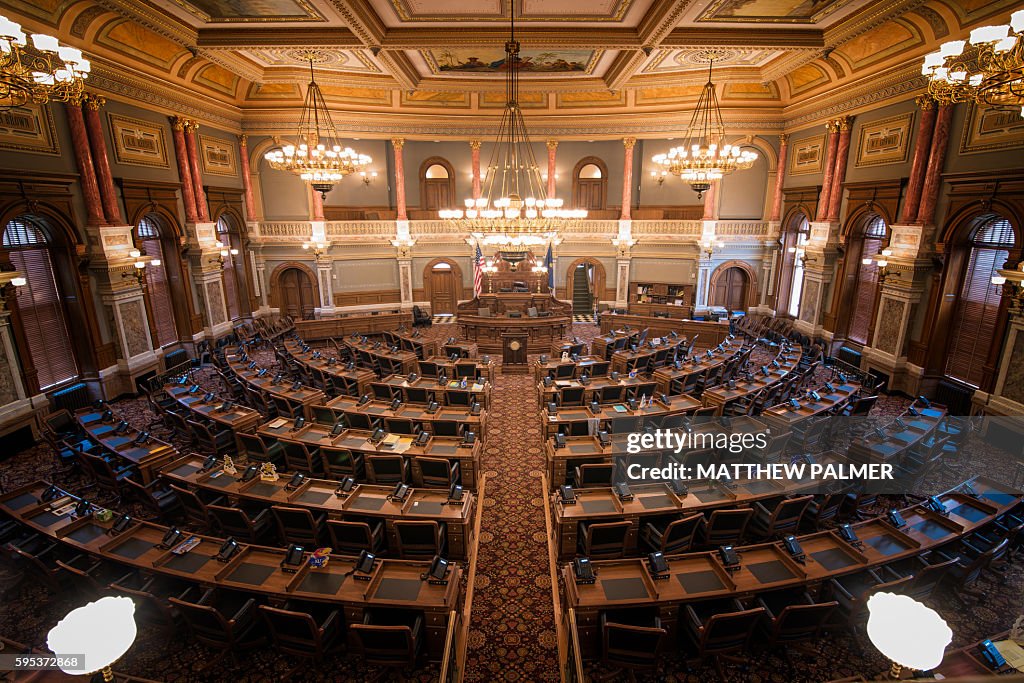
x,y
94,102
924,102
552,144
398,143
831,126
243,139
844,122
628,143
474,144
783,138
178,122
191,125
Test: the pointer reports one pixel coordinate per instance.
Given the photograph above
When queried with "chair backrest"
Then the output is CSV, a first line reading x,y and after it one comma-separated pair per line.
x,y
802,622
727,526
729,631
339,461
571,396
565,370
142,495
385,469
611,394
382,392
678,536
358,420
294,633
233,521
465,370
209,626
446,427
596,474
253,446
195,510
599,369
435,470
297,525
385,645
350,538
631,646
788,513
428,368
418,395
324,415
925,581
606,539
458,397
418,538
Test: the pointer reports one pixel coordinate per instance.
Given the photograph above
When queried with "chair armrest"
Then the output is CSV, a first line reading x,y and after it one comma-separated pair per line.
x,y
694,618
261,516
329,622
837,589
245,611
652,531
763,605
971,548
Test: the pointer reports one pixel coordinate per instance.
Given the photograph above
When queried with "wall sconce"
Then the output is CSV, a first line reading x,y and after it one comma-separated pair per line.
x,y
318,248
140,261
10,280
545,176
659,177
801,254
709,247
489,269
1011,281
539,270
224,253
367,178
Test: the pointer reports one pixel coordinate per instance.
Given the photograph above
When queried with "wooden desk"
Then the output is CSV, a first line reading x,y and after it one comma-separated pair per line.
x,y
601,346
423,348
623,361
368,354
501,303
364,501
701,576
711,333
415,412
722,395
147,458
585,363
785,416
255,569
345,380
897,442
590,391
670,378
450,448
307,397
609,414
483,369
487,332
357,323
482,392
238,419
658,500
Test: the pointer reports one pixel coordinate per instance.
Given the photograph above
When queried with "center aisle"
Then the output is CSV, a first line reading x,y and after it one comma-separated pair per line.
x,y
512,629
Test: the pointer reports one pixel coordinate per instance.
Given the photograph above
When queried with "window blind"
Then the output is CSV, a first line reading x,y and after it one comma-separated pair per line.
x,y
159,294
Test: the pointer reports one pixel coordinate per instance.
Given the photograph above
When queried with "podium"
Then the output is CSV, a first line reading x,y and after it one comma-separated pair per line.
x,y
514,347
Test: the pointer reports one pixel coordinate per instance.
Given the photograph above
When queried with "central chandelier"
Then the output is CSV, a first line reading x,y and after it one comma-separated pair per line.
x,y
988,68
514,207
316,156
39,73
705,157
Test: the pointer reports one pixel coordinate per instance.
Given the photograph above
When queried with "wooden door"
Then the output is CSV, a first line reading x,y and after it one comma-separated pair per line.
x,y
589,194
443,291
295,294
436,194
731,289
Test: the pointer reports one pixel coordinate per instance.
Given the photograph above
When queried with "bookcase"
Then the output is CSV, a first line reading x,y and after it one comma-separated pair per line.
x,y
651,298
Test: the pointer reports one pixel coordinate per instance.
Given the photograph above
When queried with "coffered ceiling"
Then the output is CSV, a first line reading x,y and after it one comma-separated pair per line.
x,y
579,55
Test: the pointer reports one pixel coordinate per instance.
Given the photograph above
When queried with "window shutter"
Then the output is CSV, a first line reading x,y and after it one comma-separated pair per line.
x,y
864,297
230,286
159,294
976,316
42,318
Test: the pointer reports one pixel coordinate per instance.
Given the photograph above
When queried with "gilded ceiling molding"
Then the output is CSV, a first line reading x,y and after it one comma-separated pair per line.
x,y
871,17
361,20
400,68
235,64
868,92
81,24
660,20
158,22
625,66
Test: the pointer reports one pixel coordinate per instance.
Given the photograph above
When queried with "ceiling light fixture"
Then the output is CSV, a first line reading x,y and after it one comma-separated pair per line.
x,y
315,156
705,157
40,72
514,206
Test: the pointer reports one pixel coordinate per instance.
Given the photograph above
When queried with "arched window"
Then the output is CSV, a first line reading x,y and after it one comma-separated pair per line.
x,y
437,184
590,184
40,307
875,231
158,291
229,237
791,282
976,315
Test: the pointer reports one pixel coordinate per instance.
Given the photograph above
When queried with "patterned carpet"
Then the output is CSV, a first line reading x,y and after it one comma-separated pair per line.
x,y
512,634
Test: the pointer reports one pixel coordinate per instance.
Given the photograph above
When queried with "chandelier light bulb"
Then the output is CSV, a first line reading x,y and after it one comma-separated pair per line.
x,y
46,43
988,34
952,48
155,262
1016,21
19,281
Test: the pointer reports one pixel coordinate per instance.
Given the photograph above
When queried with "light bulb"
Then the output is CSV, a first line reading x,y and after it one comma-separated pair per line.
x,y
952,48
46,43
19,281
988,34
135,253
155,262
998,280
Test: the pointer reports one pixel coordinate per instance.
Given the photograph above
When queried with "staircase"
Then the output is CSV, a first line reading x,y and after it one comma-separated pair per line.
x,y
581,299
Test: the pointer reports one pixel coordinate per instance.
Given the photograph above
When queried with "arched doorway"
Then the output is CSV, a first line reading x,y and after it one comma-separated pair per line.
x,y
585,284
437,184
732,285
590,184
294,290
442,282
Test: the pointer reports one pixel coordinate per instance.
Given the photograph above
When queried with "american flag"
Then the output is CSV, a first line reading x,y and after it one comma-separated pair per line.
x,y
478,273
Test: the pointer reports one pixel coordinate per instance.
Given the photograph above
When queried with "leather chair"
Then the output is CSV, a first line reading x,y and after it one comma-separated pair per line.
x,y
210,441
221,620
401,425
631,640
391,639
419,540
299,525
362,421
255,448
299,457
727,527
341,462
195,508
438,472
159,502
107,479
675,537
594,474
718,628
234,521
386,469
310,635
603,540
784,519
351,538
793,618
824,508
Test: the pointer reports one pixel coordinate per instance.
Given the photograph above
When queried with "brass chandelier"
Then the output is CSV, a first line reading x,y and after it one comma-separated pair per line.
x,y
514,208
40,72
315,156
988,68
705,157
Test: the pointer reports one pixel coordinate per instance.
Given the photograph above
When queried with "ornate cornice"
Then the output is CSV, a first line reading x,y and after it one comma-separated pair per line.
x,y
903,80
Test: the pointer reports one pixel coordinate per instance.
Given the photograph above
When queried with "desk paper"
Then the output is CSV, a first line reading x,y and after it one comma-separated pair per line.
x,y
1012,653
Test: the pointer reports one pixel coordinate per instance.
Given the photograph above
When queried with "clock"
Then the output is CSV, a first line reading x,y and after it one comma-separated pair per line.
x,y
513,357
515,345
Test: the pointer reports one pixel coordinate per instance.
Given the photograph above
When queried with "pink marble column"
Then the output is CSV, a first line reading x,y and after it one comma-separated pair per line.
x,y
202,210
86,170
398,144
922,148
831,144
839,172
318,205
184,173
98,145
936,161
711,202
627,177
780,178
552,146
243,156
474,146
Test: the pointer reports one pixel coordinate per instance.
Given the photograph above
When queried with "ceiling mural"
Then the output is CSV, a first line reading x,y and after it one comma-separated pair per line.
x,y
492,61
778,11
218,11
498,10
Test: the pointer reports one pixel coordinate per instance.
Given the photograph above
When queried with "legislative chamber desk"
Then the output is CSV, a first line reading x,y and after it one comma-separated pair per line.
x,y
364,501
304,396
786,416
588,449
381,410
897,441
482,392
255,569
658,500
627,359
358,441
359,323
486,369
382,357
615,415
548,367
766,566
411,341
148,458
355,380
711,333
591,389
238,418
671,379
487,332
724,394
